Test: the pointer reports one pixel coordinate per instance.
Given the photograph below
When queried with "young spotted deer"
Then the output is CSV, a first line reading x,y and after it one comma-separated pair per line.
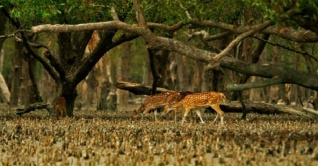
x,y
160,100
60,107
201,100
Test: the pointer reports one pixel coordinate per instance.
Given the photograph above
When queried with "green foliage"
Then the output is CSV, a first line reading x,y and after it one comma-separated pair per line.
x,y
169,12
276,10
30,12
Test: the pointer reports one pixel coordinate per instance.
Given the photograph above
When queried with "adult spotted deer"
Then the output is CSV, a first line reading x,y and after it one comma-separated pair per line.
x,y
200,100
160,100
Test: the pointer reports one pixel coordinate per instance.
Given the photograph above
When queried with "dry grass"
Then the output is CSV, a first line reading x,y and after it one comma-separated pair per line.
x,y
101,138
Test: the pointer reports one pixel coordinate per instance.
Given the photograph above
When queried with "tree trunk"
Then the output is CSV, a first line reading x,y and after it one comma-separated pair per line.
x,y
27,92
300,92
105,90
34,92
5,93
172,74
100,73
197,77
3,21
182,72
17,75
111,97
123,65
48,87
315,101
255,93
92,84
68,91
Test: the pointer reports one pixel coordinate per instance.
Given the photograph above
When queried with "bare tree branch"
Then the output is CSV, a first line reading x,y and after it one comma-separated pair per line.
x,y
288,75
241,37
54,62
167,28
123,38
288,48
139,15
8,36
250,85
207,37
114,14
289,33
186,11
156,42
44,63
58,28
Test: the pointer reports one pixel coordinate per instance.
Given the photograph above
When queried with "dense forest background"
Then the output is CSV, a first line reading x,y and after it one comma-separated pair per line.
x,y
266,50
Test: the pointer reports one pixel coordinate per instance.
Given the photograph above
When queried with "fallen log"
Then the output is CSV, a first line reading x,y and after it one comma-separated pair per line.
x,y
138,89
33,107
311,111
265,108
234,106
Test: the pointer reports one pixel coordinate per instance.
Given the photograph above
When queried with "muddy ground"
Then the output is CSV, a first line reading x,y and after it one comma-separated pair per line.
x,y
111,138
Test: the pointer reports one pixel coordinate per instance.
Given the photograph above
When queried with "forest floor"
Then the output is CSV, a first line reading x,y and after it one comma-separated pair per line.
x,y
111,138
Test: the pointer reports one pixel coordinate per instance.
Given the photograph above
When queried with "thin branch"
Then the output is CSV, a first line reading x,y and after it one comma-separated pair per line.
x,y
169,28
139,15
37,96
186,11
287,48
114,14
207,37
7,36
152,6
54,62
45,64
33,107
298,35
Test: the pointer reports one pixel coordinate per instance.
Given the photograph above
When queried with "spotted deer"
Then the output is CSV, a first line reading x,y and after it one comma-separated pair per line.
x,y
160,100
200,100
60,107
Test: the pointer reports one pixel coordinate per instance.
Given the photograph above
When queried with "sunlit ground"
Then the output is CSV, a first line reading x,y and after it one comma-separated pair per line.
x,y
111,138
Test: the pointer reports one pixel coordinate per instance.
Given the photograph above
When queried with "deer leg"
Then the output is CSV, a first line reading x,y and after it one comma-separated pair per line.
x,y
165,111
187,110
145,111
199,115
217,115
180,109
175,115
219,111
155,113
